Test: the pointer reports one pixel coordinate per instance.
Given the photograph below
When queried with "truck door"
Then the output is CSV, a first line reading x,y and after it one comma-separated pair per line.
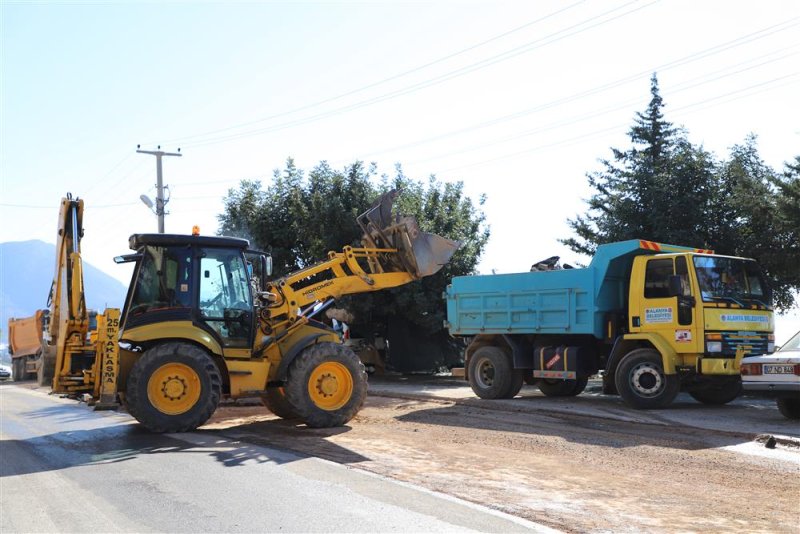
x,y
654,310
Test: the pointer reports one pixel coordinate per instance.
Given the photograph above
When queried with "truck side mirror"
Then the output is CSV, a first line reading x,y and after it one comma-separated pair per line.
x,y
675,285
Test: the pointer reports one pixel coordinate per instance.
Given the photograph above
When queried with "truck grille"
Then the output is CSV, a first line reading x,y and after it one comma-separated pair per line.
x,y
755,344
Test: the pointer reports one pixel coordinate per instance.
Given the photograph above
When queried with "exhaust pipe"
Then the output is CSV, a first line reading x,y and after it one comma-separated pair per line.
x,y
418,253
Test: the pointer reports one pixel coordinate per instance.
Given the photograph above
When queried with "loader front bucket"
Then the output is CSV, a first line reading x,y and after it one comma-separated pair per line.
x,y
419,253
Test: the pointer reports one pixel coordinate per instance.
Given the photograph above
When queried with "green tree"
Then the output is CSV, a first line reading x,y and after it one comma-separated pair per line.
x,y
659,188
665,189
300,218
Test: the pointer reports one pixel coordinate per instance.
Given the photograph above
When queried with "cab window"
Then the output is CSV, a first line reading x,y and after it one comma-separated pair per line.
x,y
164,280
225,299
656,278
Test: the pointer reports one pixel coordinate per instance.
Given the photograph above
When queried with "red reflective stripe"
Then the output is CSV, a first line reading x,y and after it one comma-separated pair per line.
x,y
649,245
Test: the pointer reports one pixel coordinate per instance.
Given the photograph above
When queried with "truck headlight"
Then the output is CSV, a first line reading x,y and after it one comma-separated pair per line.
x,y
713,346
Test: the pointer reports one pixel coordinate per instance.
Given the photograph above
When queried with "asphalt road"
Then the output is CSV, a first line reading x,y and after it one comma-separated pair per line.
x,y
66,468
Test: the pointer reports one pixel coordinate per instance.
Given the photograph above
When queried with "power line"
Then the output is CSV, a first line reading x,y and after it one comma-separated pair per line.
x,y
382,81
765,32
483,63
597,133
587,24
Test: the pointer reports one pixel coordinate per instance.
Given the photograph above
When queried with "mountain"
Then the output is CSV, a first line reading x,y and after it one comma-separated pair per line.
x,y
26,273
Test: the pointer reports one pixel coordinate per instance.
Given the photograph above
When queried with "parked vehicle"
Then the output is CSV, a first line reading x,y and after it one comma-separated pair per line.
x,y
654,319
776,376
5,373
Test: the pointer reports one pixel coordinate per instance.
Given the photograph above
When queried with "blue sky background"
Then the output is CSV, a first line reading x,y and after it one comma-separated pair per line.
x,y
517,99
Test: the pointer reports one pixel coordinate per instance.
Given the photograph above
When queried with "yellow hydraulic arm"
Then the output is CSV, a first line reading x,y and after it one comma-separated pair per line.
x,y
395,252
71,357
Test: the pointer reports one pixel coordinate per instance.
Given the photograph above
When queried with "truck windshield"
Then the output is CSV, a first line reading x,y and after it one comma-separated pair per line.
x,y
731,280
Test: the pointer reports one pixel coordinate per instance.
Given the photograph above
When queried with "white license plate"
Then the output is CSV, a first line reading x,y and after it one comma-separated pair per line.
x,y
772,369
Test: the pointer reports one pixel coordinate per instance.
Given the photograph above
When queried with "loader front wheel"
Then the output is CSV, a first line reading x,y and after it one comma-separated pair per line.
x,y
326,385
275,401
173,387
721,391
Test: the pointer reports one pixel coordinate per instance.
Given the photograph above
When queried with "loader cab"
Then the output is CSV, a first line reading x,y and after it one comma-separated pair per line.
x,y
193,282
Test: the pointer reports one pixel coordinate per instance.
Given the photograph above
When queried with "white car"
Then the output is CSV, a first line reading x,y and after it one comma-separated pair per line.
x,y
776,375
5,373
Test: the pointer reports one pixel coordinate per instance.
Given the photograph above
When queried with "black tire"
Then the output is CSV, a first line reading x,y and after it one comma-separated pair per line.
x,y
718,392
46,367
492,376
335,375
184,401
528,378
563,388
275,401
642,383
17,370
789,408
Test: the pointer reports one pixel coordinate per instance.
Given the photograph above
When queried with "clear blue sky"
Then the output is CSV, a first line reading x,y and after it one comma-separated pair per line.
x,y
517,99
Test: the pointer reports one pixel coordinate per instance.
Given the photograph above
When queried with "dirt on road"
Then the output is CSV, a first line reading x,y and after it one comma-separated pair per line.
x,y
568,471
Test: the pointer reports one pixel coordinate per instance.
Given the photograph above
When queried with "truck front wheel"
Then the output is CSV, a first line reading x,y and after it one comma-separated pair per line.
x,y
720,391
789,408
173,387
492,376
642,382
326,385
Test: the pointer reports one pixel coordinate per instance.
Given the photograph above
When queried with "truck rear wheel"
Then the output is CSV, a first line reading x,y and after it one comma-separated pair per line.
x,y
562,388
642,382
326,385
275,401
18,369
173,387
719,392
492,376
46,366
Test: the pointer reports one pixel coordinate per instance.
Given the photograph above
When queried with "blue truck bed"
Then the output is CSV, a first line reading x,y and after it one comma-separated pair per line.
x,y
567,301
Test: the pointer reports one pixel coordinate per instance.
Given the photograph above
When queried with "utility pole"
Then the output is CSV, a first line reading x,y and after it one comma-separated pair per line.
x,y
160,202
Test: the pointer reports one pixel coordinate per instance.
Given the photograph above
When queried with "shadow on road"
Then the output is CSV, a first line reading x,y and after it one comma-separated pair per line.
x,y
127,442
573,428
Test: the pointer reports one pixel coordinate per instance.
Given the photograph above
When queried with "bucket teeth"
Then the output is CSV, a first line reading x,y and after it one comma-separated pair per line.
x,y
419,253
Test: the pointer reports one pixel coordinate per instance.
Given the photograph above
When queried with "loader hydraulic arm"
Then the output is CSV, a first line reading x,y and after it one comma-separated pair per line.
x,y
395,253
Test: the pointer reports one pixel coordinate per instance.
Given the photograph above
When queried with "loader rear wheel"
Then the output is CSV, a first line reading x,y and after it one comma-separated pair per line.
x,y
642,382
492,376
326,385
563,388
275,401
173,387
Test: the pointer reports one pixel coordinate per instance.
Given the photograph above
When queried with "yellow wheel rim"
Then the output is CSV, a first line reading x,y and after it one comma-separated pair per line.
x,y
330,386
174,388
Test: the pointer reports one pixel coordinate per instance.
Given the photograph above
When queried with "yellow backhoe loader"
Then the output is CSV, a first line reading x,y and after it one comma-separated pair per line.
x,y
202,321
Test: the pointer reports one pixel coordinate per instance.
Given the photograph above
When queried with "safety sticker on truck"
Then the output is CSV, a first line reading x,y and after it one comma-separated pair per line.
x,y
658,315
683,336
